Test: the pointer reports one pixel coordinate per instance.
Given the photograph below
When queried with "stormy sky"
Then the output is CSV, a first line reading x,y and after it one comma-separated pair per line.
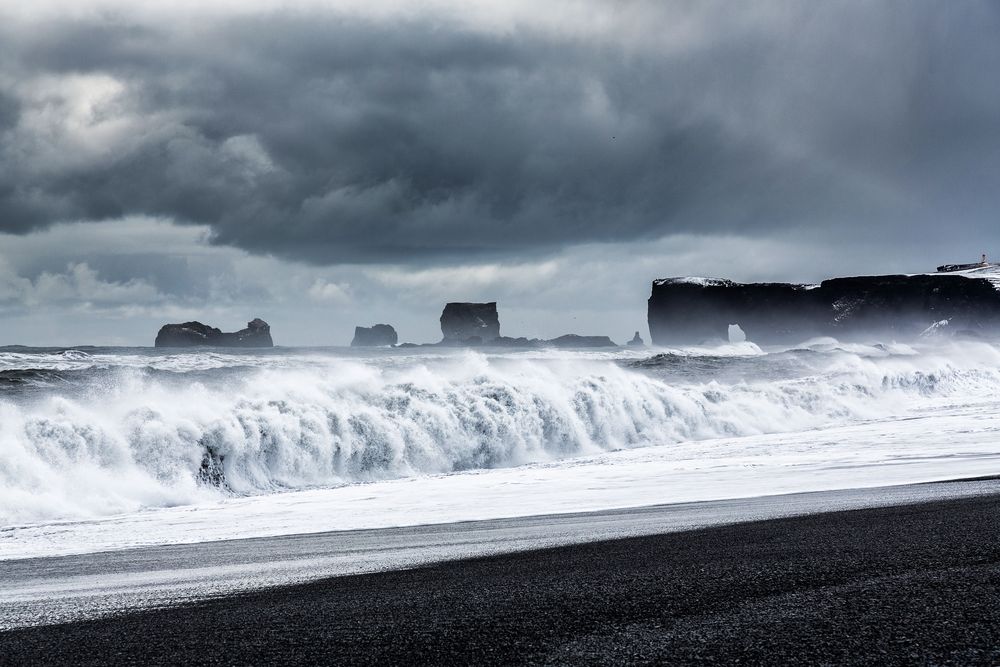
x,y
327,164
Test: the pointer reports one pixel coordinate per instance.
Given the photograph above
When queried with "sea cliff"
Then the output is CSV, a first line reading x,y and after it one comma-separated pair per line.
x,y
692,310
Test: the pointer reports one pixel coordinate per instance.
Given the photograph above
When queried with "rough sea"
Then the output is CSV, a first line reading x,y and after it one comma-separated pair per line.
x,y
108,448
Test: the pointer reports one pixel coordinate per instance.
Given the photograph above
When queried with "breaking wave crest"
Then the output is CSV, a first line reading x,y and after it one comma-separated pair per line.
x,y
135,439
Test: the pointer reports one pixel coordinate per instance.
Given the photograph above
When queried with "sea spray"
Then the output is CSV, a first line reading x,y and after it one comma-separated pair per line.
x,y
122,437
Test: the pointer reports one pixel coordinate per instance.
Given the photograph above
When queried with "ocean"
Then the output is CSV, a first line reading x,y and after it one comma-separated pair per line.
x,y
110,448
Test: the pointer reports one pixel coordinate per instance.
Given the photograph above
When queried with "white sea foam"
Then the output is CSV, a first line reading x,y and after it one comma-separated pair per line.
x,y
946,443
127,440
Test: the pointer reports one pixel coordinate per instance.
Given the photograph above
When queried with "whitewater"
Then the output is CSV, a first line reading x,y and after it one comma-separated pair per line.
x,y
111,448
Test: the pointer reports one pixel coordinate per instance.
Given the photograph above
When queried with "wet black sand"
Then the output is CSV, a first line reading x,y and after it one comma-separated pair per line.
x,y
917,584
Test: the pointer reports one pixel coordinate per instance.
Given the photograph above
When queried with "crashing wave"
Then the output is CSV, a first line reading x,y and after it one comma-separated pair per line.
x,y
139,439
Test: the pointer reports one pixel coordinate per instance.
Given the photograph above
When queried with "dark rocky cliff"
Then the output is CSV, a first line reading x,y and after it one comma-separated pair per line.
x,y
691,310
191,334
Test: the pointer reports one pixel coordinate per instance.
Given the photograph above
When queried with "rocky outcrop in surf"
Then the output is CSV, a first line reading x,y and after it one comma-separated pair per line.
x,y
378,335
692,310
566,341
574,340
470,323
193,334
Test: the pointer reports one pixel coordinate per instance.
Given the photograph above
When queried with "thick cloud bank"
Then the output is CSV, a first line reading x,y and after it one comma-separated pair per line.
x,y
345,135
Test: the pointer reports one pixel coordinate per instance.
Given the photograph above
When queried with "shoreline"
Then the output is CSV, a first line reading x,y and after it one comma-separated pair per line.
x,y
899,583
67,588
624,479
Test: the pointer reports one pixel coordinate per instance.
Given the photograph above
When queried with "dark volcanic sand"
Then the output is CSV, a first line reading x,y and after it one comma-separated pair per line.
x,y
916,584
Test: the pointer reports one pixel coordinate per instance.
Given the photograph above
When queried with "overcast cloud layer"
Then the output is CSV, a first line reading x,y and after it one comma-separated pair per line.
x,y
366,155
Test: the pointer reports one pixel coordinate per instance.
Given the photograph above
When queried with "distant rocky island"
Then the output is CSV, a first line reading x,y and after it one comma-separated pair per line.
x,y
470,323
479,324
462,325
466,324
193,334
377,335
958,300
691,310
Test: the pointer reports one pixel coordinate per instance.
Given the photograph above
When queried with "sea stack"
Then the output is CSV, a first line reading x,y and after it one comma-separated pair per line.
x,y
193,334
470,323
693,310
377,335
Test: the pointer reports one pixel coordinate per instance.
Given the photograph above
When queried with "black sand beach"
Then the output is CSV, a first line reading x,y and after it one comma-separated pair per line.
x,y
916,584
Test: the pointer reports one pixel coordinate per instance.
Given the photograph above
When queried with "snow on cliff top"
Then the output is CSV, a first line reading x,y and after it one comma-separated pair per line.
x,y
694,280
990,272
708,282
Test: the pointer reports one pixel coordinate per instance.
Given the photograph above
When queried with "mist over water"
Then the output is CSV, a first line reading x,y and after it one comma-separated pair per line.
x,y
106,431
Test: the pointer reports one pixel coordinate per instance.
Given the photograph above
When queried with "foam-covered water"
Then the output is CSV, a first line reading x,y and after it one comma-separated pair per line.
x,y
101,432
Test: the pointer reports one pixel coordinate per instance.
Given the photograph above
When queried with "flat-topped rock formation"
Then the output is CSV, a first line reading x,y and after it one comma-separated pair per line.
x,y
692,310
470,323
378,335
193,334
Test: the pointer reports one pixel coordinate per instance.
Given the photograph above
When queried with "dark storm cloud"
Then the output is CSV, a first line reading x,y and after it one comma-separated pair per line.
x,y
331,139
10,111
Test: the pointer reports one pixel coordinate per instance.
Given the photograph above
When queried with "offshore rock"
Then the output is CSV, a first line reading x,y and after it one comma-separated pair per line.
x,y
192,334
377,335
636,341
471,341
507,341
573,340
567,341
470,323
692,310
